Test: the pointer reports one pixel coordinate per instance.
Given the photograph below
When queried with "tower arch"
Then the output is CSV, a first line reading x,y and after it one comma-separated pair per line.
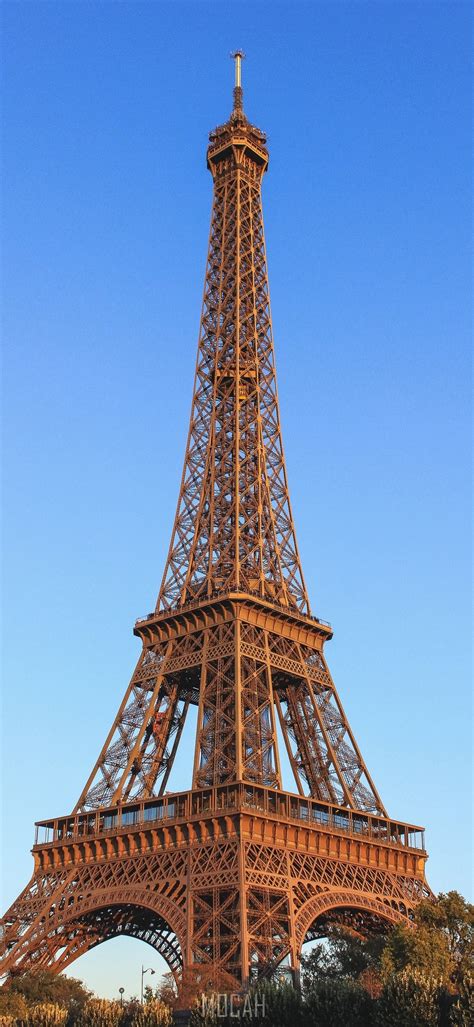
x,y
83,921
88,930
365,911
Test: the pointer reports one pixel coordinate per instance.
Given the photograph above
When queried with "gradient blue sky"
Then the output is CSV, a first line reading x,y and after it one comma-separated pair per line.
x,y
107,107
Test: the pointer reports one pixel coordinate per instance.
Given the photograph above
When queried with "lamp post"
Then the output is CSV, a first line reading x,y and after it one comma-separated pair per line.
x,y
121,991
148,970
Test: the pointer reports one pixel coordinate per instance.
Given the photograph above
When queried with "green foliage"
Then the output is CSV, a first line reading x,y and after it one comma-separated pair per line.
x,y
462,1012
333,1003
46,986
442,944
423,950
453,918
410,999
346,955
272,1004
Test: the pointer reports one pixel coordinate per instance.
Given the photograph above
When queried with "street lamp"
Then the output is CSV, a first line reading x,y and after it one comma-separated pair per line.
x,y
148,970
121,991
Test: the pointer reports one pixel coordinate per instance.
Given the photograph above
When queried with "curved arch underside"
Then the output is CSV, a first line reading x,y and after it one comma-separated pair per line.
x,y
92,928
366,915
361,921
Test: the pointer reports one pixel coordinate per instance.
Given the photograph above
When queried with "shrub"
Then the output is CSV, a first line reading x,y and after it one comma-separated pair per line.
x,y
411,999
153,1014
12,1004
46,1014
268,1004
273,1004
100,1012
333,1003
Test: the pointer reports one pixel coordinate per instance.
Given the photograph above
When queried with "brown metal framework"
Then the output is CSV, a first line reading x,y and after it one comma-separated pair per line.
x,y
237,872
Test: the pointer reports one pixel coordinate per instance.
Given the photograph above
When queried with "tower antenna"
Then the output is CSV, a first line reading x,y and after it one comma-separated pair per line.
x,y
238,56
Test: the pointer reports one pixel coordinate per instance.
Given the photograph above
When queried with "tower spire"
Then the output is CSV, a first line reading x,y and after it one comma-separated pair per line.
x,y
238,57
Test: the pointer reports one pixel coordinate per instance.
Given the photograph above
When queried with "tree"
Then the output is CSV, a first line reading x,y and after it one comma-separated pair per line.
x,y
440,946
346,954
453,918
46,986
167,990
422,950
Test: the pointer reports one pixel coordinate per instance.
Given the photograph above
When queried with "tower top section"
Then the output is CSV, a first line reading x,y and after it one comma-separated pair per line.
x,y
237,136
233,530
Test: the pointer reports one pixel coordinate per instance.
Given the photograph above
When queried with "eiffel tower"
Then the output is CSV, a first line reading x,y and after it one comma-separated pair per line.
x,y
234,875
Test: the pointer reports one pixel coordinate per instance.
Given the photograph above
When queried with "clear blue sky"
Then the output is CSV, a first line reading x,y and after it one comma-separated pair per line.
x,y
107,107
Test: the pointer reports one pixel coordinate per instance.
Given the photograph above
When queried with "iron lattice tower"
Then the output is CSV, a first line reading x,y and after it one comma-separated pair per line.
x,y
232,876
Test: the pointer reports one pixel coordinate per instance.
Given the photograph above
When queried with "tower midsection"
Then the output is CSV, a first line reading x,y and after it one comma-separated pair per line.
x,y
237,655
258,674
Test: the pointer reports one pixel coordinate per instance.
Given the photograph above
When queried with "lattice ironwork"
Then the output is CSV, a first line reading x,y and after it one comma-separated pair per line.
x,y
234,875
233,526
243,679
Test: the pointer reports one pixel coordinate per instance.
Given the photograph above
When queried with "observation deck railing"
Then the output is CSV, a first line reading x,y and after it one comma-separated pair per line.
x,y
222,594
232,798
